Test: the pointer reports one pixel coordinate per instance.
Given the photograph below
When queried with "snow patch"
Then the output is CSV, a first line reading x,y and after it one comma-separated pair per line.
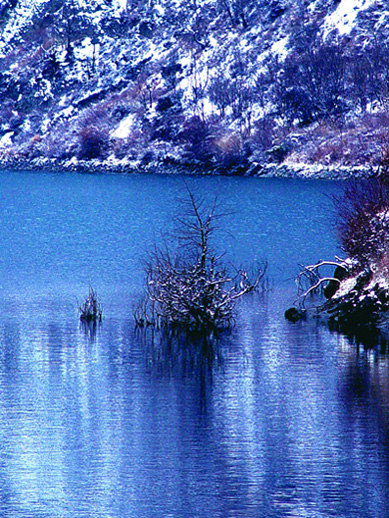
x,y
344,16
279,47
124,128
63,101
345,287
45,125
120,5
6,140
208,108
26,125
159,10
67,111
87,50
45,90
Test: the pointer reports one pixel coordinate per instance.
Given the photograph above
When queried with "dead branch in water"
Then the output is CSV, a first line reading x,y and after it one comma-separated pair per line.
x,y
310,280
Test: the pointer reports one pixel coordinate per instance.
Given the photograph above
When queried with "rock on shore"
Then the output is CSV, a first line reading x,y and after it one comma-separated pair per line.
x,y
358,308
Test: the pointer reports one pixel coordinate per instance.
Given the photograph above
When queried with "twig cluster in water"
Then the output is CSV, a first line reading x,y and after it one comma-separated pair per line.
x,y
357,291
91,309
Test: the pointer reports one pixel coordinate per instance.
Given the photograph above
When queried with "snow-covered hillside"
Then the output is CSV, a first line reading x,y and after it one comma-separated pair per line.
x,y
209,83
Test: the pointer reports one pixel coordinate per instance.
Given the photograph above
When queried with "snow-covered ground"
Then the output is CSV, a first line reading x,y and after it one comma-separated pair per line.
x,y
344,18
20,18
138,76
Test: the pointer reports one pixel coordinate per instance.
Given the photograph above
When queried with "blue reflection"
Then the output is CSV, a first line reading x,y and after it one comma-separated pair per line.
x,y
272,419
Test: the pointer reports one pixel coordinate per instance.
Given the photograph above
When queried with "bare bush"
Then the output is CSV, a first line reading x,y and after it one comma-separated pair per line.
x,y
363,218
363,233
197,139
93,143
192,289
311,85
91,310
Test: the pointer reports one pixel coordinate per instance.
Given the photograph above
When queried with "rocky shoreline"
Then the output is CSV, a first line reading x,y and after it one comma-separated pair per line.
x,y
359,308
170,166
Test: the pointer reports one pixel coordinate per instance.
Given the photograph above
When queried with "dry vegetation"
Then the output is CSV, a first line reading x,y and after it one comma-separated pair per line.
x,y
192,289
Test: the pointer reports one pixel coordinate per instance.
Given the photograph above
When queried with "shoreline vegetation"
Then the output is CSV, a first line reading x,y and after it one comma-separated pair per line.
x,y
169,166
353,292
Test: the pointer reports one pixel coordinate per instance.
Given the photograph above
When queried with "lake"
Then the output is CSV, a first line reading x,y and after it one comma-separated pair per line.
x,y
276,419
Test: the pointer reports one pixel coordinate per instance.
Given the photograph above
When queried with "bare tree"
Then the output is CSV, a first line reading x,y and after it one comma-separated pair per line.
x,y
238,11
192,290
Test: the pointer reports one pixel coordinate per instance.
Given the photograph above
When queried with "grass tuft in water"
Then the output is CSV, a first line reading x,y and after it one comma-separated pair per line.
x,y
91,309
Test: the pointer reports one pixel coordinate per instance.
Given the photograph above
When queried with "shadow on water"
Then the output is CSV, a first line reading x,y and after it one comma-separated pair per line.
x,y
244,424
90,328
363,387
181,354
366,336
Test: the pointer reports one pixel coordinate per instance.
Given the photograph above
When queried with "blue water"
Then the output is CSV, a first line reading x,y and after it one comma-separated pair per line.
x,y
276,420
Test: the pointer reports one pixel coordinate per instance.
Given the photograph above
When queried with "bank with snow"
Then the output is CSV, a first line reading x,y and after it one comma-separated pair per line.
x,y
172,166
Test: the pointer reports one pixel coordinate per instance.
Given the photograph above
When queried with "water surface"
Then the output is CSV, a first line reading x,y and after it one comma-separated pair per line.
x,y
276,420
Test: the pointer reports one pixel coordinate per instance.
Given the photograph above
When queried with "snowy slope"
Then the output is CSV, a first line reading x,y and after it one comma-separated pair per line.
x,y
345,17
207,82
20,18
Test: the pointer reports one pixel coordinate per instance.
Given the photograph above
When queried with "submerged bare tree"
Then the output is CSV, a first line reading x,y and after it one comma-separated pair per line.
x,y
192,289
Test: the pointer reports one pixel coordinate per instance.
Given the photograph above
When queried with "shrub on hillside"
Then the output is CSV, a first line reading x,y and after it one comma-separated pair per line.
x,y
92,143
311,85
197,139
363,217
